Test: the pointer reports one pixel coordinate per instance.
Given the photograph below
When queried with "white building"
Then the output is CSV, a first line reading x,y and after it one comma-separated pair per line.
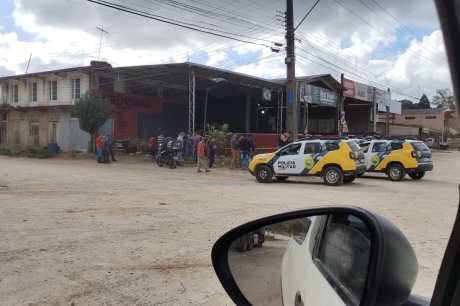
x,y
35,108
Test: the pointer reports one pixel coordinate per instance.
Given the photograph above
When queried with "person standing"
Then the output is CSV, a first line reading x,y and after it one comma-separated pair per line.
x,y
99,148
212,147
110,147
245,148
252,150
152,144
283,140
234,144
201,155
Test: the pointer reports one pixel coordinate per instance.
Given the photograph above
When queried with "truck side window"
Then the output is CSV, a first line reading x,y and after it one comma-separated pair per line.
x,y
343,256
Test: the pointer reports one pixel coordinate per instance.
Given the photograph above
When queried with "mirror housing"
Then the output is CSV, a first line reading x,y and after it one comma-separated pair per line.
x,y
392,269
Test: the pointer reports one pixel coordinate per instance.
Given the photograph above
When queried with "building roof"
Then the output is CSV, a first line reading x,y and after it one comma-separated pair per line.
x,y
34,74
175,73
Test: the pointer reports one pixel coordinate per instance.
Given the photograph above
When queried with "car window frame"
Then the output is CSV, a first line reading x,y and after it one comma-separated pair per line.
x,y
279,153
375,144
316,143
342,291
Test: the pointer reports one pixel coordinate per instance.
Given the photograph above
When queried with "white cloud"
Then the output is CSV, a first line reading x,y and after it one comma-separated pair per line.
x,y
69,38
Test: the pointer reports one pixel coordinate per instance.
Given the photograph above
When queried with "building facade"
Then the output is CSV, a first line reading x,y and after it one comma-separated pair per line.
x,y
35,109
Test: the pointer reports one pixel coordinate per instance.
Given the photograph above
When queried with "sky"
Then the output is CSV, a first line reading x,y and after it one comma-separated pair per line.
x,y
388,44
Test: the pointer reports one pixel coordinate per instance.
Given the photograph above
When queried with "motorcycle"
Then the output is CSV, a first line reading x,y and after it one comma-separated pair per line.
x,y
168,154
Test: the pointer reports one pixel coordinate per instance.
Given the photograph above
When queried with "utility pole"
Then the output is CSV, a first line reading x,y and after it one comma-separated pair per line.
x,y
292,107
292,112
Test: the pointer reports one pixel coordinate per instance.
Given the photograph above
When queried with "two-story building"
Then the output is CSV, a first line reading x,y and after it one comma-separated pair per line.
x,y
35,108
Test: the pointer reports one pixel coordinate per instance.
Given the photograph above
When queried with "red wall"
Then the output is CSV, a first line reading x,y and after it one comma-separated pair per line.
x,y
125,119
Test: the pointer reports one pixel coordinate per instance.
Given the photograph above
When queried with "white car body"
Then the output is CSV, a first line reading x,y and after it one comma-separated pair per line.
x,y
301,277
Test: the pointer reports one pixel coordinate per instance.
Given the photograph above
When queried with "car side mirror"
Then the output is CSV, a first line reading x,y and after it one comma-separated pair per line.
x,y
321,256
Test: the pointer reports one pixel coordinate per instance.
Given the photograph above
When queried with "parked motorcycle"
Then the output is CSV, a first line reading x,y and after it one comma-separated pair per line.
x,y
168,153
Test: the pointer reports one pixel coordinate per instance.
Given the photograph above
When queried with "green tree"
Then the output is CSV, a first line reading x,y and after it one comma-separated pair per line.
x,y
444,99
92,112
424,102
407,104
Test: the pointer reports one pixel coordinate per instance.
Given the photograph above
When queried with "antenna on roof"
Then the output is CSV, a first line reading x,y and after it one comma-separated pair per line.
x,y
28,62
101,28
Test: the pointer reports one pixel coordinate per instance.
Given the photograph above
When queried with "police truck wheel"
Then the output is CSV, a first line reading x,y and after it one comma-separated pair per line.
x,y
417,175
395,172
349,179
264,174
333,176
281,178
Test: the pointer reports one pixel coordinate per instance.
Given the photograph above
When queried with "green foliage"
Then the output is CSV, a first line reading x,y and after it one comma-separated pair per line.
x,y
31,153
6,152
220,136
444,99
92,112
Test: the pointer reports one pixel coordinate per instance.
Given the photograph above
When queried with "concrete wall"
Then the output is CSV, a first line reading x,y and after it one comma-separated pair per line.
x,y
424,120
69,136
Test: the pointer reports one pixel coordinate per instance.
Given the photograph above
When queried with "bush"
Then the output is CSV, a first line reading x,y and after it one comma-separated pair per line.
x,y
6,152
31,153
221,137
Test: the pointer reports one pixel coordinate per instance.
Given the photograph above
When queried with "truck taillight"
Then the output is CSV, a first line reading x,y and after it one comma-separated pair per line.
x,y
352,155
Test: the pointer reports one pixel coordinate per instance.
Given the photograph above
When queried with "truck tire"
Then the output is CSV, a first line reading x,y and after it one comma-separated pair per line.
x,y
333,176
417,175
264,174
395,172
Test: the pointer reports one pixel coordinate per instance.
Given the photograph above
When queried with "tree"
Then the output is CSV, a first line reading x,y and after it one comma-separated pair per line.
x,y
424,103
444,99
407,104
92,112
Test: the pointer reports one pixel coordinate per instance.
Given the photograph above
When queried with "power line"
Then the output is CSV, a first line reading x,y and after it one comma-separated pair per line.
x,y
171,22
307,14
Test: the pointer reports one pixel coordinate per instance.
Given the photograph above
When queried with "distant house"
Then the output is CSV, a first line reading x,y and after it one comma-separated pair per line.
x,y
35,108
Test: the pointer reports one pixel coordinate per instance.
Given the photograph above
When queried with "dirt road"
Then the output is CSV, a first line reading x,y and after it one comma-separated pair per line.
x,y
78,233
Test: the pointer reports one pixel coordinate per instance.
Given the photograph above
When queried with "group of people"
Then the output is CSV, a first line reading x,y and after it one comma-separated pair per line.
x,y
201,150
104,149
242,149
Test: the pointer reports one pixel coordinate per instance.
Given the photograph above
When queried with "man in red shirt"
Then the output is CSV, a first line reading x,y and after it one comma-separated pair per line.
x,y
201,155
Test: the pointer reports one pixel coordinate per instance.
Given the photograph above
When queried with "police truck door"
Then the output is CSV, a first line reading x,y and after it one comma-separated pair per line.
x,y
290,160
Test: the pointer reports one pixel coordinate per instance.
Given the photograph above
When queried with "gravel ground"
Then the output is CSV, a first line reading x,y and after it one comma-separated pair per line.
x,y
129,233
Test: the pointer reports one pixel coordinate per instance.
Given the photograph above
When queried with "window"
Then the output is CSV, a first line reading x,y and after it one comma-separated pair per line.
x,y
409,118
53,132
343,256
312,148
380,147
3,129
15,94
292,149
430,117
75,88
52,88
332,145
33,94
396,145
34,133
364,146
